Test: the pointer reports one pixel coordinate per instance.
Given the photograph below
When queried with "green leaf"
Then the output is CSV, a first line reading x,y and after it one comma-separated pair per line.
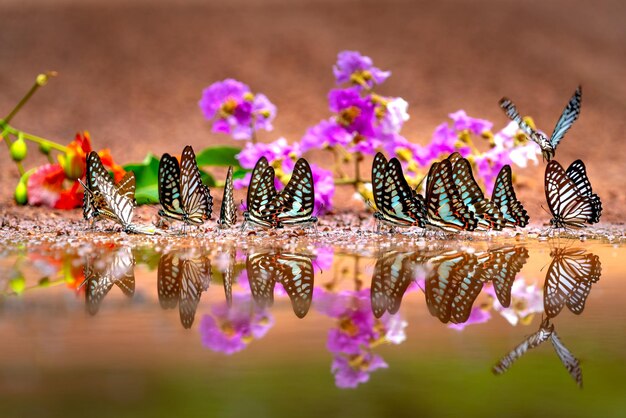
x,y
240,173
219,155
207,178
147,179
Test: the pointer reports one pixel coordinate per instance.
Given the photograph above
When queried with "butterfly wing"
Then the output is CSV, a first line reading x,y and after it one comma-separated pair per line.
x,y
228,212
503,196
295,203
93,202
570,362
195,278
169,187
567,119
255,178
194,195
511,111
578,174
545,331
168,280
261,193
379,168
262,271
568,206
227,277
297,278
510,264
378,296
126,187
120,208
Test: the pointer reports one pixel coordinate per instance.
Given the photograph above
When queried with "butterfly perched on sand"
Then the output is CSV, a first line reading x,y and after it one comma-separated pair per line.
x,y
546,332
569,195
294,204
568,117
228,211
486,212
503,196
569,279
500,267
444,207
261,192
181,281
182,194
395,201
119,271
95,206
295,273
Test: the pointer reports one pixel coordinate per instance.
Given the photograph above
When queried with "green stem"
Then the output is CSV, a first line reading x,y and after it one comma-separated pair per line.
x,y
37,139
20,168
41,80
352,182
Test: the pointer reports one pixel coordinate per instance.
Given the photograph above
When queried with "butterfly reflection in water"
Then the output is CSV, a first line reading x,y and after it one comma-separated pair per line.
x,y
546,332
457,279
101,275
181,279
293,271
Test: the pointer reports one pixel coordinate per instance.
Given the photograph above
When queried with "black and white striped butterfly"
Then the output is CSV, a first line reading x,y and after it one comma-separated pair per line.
x,y
395,201
182,194
228,275
228,211
95,206
444,207
546,332
261,192
568,117
500,267
569,279
118,270
295,273
570,197
486,212
294,204
503,196
181,281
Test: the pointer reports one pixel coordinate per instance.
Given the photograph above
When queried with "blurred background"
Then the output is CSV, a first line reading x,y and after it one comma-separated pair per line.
x,y
132,72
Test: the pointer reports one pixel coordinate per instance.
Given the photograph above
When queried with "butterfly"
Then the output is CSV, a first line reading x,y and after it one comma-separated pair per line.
x,y
95,207
568,117
452,288
503,196
546,331
569,279
486,212
118,271
393,273
444,206
294,271
261,192
228,212
569,196
395,201
294,204
182,194
181,281
500,267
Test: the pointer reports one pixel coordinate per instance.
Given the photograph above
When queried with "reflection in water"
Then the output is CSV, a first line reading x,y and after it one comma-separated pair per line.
x,y
293,271
181,281
569,279
117,269
546,331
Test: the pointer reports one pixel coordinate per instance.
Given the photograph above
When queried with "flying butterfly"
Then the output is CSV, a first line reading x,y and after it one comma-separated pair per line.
x,y
569,196
503,196
228,211
294,204
444,206
182,194
181,281
569,279
546,332
261,192
486,212
119,271
295,273
395,201
568,117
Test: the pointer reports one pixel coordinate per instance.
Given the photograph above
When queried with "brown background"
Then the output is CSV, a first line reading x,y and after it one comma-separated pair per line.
x,y
132,73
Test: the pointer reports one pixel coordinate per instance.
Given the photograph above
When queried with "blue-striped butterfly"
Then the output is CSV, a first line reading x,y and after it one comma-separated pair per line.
x,y
261,193
444,206
546,332
228,211
182,194
295,273
569,279
568,117
118,270
294,204
569,196
503,196
180,281
486,212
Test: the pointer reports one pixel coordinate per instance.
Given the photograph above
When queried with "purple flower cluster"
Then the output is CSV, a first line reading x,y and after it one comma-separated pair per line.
x,y
229,330
356,334
235,110
359,70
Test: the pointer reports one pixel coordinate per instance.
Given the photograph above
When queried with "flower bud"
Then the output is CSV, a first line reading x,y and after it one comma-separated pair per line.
x,y
18,284
72,163
21,193
44,148
18,149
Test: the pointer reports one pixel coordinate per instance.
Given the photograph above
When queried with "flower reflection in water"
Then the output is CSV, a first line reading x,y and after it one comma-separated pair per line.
x,y
526,300
356,334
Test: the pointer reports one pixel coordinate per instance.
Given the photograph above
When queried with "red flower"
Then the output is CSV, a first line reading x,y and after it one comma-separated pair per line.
x,y
74,160
107,160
